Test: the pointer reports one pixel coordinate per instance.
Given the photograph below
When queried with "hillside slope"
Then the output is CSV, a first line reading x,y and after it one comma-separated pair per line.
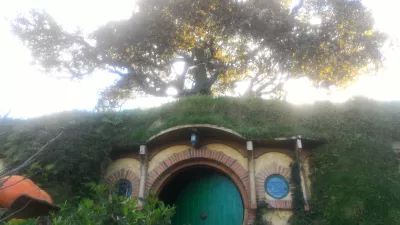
x,y
355,181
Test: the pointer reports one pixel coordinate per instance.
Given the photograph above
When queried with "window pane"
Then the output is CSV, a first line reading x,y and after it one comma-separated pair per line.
x,y
277,186
124,188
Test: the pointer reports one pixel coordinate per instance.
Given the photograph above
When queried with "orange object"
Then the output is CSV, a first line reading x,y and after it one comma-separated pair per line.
x,y
24,199
16,186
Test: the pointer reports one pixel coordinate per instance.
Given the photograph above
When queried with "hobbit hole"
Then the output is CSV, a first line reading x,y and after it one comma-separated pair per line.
x,y
203,195
212,174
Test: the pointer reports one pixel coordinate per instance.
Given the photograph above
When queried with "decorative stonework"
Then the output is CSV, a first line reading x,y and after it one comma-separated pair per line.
x,y
274,169
204,157
127,175
199,154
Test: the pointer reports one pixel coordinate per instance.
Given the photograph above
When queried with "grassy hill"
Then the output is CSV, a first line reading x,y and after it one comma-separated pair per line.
x,y
355,181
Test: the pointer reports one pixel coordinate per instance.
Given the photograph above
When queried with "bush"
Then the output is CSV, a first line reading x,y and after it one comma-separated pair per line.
x,y
22,222
111,209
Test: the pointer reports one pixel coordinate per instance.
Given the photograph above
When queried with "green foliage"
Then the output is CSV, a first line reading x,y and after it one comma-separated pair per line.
x,y
260,219
359,179
218,42
300,216
104,208
355,174
22,222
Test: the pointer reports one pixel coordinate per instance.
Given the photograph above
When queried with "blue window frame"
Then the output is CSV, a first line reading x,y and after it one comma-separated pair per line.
x,y
276,186
124,187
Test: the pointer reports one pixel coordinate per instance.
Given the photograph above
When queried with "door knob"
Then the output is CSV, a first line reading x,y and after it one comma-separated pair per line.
x,y
203,216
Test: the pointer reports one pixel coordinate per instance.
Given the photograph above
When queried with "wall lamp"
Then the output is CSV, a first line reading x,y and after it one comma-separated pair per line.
x,y
194,137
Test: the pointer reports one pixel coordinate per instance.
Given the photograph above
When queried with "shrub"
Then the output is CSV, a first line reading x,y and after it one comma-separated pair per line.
x,y
107,208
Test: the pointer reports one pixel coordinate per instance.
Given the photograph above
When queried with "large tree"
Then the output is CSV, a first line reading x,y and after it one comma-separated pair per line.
x,y
207,46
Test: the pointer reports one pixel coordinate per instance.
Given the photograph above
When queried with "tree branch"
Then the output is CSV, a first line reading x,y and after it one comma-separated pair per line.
x,y
251,85
30,159
183,58
117,72
297,7
9,216
142,84
213,78
263,86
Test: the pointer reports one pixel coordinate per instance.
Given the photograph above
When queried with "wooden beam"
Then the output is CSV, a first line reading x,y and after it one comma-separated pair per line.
x,y
299,147
143,173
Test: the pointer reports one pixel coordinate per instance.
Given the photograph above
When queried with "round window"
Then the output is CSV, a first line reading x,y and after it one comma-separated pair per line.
x,y
124,188
277,186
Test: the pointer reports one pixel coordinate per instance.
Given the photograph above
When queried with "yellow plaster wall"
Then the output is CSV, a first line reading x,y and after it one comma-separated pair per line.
x,y
278,217
269,158
125,163
227,150
164,154
266,160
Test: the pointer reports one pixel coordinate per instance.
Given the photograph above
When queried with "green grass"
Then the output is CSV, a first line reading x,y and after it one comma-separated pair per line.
x,y
355,175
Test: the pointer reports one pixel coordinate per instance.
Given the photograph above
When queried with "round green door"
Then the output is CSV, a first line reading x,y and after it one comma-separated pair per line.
x,y
209,200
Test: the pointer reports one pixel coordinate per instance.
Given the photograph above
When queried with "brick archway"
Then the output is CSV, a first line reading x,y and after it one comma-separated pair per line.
x,y
273,169
235,168
159,176
126,175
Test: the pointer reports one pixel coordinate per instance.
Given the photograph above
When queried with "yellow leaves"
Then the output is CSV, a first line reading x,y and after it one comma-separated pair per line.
x,y
368,33
223,56
213,6
230,75
286,3
339,73
328,69
192,35
324,46
219,55
130,50
341,43
188,38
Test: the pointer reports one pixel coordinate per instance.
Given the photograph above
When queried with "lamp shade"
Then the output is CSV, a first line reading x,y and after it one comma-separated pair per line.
x,y
193,139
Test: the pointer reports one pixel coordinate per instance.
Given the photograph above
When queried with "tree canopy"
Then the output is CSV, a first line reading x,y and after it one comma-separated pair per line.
x,y
206,47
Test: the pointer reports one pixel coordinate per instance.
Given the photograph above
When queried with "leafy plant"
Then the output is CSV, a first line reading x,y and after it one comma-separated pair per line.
x,y
260,219
21,222
108,208
300,216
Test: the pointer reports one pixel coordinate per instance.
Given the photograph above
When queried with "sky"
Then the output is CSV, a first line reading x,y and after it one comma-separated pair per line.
x,y
27,92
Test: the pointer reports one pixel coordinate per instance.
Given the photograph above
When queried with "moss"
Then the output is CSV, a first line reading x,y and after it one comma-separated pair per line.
x,y
300,216
355,175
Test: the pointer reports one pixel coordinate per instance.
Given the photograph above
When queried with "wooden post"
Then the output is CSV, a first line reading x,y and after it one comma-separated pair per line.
x,y
143,173
299,147
252,180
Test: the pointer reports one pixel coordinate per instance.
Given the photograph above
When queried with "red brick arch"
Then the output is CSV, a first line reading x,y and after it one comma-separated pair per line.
x,y
205,154
262,175
207,158
127,175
